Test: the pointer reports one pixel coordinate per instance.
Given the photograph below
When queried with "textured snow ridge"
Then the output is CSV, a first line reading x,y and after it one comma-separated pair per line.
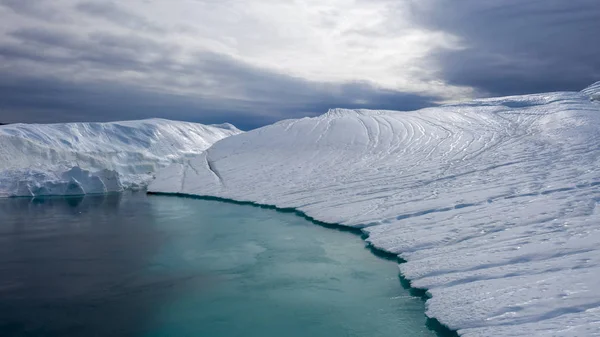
x,y
84,158
593,91
493,203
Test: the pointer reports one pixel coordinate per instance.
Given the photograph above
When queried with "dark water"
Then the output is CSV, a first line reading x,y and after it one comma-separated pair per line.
x,y
133,265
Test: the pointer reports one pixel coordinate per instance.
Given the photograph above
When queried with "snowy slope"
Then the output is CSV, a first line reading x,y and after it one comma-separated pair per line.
x,y
80,158
493,203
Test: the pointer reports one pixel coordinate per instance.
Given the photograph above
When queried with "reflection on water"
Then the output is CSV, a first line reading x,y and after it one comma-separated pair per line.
x,y
132,265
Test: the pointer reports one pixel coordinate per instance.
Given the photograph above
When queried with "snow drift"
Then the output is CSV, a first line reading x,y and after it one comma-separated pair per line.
x,y
82,158
493,203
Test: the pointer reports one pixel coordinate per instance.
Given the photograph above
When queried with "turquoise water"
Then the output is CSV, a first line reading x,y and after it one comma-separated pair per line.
x,y
136,265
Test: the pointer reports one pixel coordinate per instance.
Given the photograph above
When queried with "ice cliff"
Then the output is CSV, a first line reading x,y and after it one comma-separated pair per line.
x,y
83,158
493,203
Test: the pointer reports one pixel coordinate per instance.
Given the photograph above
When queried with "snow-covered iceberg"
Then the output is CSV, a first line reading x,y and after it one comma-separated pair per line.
x,y
493,203
84,158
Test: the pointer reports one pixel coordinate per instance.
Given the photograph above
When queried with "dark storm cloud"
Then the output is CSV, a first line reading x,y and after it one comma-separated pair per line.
x,y
250,96
517,46
110,11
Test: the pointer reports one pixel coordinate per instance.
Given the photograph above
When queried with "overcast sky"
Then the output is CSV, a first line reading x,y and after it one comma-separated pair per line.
x,y
253,62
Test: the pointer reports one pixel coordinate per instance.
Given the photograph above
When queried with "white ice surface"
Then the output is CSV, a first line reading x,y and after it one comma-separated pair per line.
x,y
493,203
84,158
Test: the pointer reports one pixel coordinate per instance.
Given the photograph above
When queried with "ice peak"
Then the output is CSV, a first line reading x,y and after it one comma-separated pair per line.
x,y
226,126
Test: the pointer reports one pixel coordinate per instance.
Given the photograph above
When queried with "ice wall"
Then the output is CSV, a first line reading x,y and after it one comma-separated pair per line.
x,y
81,158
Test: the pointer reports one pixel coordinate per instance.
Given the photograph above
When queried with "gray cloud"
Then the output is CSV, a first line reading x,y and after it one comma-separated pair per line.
x,y
110,11
517,46
107,51
47,100
248,95
102,60
38,9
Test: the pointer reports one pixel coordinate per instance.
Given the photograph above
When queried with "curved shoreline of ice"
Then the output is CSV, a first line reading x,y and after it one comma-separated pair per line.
x,y
494,204
92,158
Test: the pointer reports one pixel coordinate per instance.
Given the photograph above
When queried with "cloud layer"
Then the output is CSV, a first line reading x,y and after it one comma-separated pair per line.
x,y
515,46
254,62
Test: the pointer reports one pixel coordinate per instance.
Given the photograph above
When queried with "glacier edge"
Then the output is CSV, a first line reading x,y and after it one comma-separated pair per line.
x,y
96,158
492,203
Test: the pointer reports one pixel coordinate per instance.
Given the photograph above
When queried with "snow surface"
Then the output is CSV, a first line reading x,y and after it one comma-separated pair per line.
x,y
84,158
494,203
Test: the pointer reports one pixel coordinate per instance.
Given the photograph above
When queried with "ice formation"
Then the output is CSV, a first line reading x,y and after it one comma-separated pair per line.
x,y
84,158
493,203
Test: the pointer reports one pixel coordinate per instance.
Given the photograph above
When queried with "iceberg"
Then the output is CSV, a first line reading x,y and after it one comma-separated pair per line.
x,y
492,203
88,158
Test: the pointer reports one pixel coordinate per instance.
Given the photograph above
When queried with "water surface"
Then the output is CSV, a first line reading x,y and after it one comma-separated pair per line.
x,y
133,265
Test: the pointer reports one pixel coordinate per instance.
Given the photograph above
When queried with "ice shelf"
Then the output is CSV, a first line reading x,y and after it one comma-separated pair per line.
x,y
493,203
